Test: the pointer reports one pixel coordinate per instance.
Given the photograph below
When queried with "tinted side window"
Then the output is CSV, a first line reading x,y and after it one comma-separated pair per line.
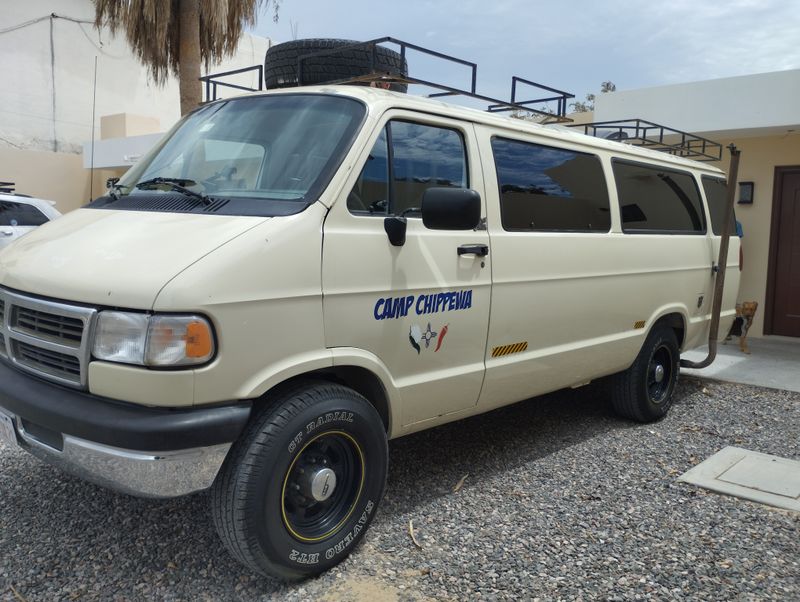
x,y
371,190
407,159
20,214
545,188
658,199
424,156
716,190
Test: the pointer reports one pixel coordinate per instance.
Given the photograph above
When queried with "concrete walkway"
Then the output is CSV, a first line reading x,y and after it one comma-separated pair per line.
x,y
773,362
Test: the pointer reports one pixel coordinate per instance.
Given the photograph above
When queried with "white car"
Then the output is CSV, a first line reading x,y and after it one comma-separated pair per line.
x,y
20,215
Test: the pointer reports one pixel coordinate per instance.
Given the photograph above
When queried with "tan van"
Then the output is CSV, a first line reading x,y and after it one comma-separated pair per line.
x,y
290,279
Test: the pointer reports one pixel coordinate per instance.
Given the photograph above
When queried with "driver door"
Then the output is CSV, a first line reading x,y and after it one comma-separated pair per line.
x,y
421,310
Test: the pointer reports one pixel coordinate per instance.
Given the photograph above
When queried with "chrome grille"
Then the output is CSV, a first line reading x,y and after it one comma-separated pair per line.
x,y
49,326
47,338
50,362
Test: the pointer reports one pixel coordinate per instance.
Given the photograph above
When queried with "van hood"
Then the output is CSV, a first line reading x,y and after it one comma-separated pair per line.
x,y
114,258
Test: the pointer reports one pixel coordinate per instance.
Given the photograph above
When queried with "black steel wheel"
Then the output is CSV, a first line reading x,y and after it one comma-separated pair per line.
x,y
281,63
644,392
659,374
322,485
299,489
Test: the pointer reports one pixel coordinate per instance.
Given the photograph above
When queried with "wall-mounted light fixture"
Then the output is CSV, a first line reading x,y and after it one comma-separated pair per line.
x,y
746,190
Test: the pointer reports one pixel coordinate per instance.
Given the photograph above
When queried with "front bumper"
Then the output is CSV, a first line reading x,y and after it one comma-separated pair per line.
x,y
147,452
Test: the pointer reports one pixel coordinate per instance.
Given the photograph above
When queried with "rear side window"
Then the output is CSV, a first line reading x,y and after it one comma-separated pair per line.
x,y
544,188
716,190
20,214
406,160
655,199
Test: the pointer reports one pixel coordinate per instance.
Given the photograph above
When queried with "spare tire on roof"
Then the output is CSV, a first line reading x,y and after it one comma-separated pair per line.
x,y
281,60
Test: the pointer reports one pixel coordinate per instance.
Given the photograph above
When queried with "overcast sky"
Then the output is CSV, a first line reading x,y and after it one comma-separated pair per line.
x,y
573,46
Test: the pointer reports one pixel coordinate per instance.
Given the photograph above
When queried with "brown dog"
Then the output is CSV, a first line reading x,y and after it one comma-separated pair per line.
x,y
745,312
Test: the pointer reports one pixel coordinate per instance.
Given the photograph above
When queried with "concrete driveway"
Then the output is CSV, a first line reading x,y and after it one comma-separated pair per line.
x,y
773,362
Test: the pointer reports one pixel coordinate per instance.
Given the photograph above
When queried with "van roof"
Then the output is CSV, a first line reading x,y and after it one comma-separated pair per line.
x,y
381,100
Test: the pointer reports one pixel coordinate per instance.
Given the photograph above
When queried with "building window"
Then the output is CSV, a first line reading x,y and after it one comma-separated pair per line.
x,y
544,188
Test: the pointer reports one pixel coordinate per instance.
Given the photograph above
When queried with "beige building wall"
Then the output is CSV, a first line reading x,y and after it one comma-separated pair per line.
x,y
759,158
581,118
121,125
58,177
61,177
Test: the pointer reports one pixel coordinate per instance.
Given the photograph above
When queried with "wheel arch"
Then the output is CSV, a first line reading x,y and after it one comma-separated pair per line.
x,y
361,380
676,320
358,370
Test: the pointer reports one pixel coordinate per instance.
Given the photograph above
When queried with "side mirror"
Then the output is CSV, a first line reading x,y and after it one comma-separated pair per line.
x,y
451,209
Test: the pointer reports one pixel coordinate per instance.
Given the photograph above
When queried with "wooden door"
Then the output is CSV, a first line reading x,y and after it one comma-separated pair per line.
x,y
783,289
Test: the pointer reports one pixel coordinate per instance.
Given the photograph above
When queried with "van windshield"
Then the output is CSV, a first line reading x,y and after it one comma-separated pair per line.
x,y
260,155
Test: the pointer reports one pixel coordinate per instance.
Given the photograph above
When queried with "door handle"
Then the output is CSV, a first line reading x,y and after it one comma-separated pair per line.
x,y
6,233
479,250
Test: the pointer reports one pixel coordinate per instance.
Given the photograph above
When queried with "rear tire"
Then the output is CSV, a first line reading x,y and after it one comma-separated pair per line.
x,y
281,60
644,392
299,489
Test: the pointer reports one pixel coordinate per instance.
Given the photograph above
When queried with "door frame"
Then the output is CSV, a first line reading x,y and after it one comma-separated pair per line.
x,y
772,265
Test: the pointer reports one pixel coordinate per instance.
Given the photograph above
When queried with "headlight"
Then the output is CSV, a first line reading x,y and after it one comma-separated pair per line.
x,y
161,340
121,337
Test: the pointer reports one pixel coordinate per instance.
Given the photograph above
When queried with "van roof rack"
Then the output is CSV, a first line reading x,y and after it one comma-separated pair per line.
x,y
7,187
495,105
654,136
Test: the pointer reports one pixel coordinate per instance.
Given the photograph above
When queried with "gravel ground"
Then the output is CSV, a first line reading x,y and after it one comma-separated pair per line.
x,y
562,501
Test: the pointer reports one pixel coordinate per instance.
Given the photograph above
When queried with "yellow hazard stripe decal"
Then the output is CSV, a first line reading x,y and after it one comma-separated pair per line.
x,y
509,349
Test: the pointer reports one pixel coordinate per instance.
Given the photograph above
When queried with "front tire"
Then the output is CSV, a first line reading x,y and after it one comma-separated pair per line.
x,y
299,489
644,392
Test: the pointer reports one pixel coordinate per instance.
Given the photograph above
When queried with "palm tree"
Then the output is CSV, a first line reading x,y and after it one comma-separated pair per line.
x,y
584,107
176,36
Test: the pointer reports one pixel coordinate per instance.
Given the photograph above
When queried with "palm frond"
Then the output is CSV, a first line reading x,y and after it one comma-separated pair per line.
x,y
151,28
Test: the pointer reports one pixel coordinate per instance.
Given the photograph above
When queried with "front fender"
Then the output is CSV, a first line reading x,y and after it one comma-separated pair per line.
x,y
276,373
352,356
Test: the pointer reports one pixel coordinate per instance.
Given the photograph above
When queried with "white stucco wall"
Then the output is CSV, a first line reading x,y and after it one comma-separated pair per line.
x,y
761,104
46,101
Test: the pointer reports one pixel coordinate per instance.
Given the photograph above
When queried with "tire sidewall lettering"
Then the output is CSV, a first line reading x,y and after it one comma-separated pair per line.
x,y
311,427
327,418
348,539
296,440
304,558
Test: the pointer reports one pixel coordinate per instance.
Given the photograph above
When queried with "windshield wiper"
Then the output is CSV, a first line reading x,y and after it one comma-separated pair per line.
x,y
176,184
